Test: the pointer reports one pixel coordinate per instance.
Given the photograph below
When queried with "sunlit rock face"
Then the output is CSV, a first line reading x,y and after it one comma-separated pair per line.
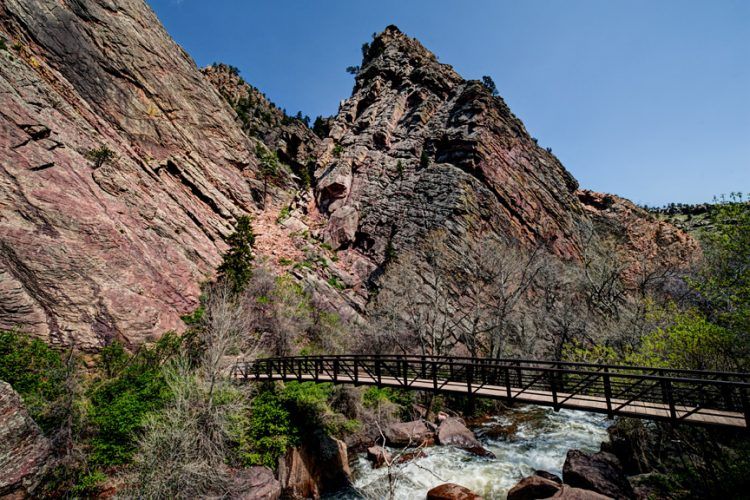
x,y
417,148
90,254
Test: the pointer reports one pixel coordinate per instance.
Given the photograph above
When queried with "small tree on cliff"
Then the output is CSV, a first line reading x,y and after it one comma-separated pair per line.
x,y
237,267
488,82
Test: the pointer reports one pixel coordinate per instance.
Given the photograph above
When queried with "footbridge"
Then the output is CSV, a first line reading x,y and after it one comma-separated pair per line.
x,y
689,396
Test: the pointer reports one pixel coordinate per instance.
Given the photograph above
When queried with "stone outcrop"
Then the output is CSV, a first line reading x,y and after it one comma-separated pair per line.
x,y
533,487
24,452
319,466
93,251
600,472
452,431
255,483
451,491
378,455
571,493
412,433
294,142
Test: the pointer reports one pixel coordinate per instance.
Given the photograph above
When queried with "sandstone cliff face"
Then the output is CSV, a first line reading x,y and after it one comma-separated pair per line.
x,y
89,254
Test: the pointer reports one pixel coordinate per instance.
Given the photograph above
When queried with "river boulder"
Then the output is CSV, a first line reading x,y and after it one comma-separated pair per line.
x,y
600,472
24,451
412,433
452,431
570,493
533,487
319,466
451,491
255,483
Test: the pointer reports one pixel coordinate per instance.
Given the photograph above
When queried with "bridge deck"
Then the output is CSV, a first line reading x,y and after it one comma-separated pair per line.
x,y
686,396
641,409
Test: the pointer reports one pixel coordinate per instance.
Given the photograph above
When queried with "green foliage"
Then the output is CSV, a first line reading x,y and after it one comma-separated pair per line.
x,y
269,162
120,403
338,149
269,432
237,266
424,159
37,373
89,485
283,261
400,169
3,44
336,283
352,70
100,156
284,214
489,83
320,127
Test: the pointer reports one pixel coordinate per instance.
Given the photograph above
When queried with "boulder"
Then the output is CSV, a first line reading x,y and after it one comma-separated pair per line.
x,y
548,475
571,493
255,483
412,433
342,227
533,487
24,451
452,431
378,456
451,491
600,472
319,466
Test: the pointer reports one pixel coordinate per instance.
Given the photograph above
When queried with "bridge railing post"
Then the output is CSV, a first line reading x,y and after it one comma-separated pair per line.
x,y
469,377
336,369
377,369
434,374
607,391
666,389
745,405
269,368
553,387
405,366
507,381
356,371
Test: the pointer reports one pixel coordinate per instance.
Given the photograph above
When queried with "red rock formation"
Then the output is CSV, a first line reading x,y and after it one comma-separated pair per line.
x,y
88,254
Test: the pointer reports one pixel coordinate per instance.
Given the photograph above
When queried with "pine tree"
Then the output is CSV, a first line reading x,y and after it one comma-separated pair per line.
x,y
237,267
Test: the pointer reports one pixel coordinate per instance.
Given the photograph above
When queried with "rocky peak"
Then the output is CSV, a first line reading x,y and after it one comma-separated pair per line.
x,y
418,148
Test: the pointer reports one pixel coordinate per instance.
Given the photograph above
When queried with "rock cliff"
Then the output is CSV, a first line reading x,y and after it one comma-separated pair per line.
x,y
124,167
92,251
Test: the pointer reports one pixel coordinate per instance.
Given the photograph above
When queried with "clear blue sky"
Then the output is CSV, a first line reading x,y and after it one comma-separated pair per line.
x,y
646,99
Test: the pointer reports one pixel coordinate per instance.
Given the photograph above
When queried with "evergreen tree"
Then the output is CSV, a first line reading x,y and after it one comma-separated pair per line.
x,y
237,267
488,82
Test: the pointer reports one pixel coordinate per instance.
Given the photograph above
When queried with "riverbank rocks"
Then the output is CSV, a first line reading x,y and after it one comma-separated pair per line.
x,y
414,433
571,493
600,472
255,483
451,491
319,466
533,487
452,431
24,451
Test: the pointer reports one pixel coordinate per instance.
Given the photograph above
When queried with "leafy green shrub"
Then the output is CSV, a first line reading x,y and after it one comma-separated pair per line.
x,y
424,160
269,432
489,84
89,485
37,373
100,156
338,149
120,403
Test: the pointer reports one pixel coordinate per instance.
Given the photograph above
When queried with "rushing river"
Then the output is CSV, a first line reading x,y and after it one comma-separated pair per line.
x,y
524,440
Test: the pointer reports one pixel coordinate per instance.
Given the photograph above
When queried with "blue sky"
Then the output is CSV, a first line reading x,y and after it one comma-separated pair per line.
x,y
646,99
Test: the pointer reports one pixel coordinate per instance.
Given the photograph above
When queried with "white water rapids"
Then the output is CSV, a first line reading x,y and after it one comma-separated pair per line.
x,y
541,441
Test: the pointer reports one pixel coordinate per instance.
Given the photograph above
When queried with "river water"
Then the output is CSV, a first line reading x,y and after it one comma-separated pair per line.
x,y
524,440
